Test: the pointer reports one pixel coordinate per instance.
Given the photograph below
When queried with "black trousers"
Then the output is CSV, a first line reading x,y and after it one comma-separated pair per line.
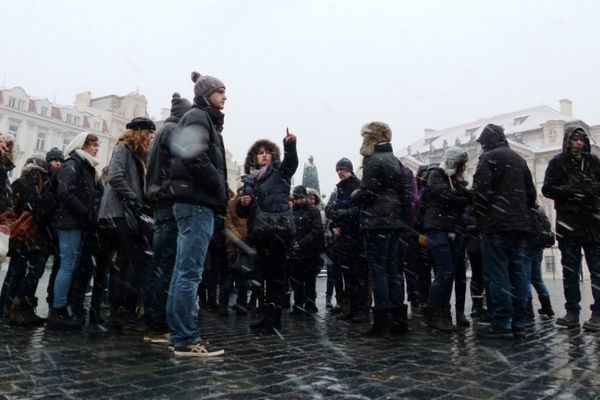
x,y
303,278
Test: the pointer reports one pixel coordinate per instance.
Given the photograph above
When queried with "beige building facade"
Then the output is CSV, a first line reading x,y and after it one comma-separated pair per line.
x,y
39,125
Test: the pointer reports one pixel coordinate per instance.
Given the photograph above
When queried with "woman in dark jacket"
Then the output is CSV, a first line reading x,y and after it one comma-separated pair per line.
x,y
7,155
78,194
125,193
382,219
267,186
28,257
445,231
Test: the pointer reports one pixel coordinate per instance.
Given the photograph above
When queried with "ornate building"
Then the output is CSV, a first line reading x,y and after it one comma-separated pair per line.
x,y
38,125
535,133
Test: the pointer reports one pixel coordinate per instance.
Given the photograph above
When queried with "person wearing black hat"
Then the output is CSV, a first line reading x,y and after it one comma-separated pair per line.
x,y
164,240
123,196
347,249
305,253
55,158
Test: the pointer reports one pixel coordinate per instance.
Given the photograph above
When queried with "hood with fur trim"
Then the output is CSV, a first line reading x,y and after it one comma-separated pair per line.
x,y
34,164
251,161
374,133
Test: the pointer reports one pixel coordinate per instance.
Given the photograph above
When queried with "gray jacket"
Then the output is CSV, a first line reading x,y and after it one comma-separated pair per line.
x,y
125,182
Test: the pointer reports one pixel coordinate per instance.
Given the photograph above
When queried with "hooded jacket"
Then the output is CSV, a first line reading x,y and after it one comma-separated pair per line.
x,y
309,241
197,153
574,185
271,192
158,180
502,185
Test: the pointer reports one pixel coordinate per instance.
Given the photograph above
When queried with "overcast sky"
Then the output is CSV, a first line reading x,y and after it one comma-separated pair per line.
x,y
321,67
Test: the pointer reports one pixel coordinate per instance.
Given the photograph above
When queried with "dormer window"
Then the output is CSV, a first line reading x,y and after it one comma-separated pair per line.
x,y
518,121
552,135
44,111
471,131
69,119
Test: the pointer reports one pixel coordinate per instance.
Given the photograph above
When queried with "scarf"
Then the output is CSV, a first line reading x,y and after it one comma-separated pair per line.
x,y
87,157
258,175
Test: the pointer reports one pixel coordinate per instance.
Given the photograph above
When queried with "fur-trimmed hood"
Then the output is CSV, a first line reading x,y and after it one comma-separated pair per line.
x,y
251,161
374,133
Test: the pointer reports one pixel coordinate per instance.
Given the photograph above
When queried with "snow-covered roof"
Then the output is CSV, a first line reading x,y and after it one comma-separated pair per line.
x,y
513,122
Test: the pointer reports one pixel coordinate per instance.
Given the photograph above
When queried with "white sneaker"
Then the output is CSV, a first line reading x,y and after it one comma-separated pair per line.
x,y
198,350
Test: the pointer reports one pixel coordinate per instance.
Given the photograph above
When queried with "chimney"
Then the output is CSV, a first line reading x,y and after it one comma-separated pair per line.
x,y
83,99
566,107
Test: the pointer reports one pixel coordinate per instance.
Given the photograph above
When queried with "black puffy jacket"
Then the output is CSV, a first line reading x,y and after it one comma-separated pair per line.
x,y
272,191
446,203
343,213
502,185
158,180
309,241
78,193
198,171
381,190
574,185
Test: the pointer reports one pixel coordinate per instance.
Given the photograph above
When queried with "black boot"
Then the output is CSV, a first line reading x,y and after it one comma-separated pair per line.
x,y
272,320
461,319
530,314
437,318
477,307
62,319
381,322
546,306
399,324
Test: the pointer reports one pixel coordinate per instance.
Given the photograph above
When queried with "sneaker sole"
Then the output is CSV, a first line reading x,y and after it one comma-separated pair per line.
x,y
202,355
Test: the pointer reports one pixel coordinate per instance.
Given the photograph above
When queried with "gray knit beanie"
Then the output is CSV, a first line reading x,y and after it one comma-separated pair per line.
x,y
179,105
344,163
205,85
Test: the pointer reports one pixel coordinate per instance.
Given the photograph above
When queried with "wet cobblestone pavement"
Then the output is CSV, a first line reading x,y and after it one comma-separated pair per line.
x,y
316,357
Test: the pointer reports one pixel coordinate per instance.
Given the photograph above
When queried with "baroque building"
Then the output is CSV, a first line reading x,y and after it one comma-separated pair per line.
x,y
535,133
39,125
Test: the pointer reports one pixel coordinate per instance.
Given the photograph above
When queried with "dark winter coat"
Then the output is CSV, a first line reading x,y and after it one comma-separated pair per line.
x,y
126,183
343,213
382,190
272,191
78,193
309,241
158,181
446,203
5,188
502,185
575,188
198,171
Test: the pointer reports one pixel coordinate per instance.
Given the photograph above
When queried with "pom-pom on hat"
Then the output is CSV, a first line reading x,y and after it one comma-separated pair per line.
x,y
179,105
205,85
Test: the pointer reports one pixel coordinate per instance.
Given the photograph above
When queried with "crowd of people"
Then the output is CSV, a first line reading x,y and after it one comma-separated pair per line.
x,y
159,234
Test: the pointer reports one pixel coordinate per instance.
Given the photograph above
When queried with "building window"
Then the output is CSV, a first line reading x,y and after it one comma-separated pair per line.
x,y
66,143
69,119
12,102
21,105
40,143
552,135
13,129
518,121
549,261
97,126
76,120
44,111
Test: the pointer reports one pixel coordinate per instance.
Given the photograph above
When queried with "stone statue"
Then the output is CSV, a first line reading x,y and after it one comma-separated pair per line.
x,y
310,177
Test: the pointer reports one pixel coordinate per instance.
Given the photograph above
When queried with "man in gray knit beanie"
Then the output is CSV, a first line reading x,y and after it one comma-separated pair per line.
x,y
205,85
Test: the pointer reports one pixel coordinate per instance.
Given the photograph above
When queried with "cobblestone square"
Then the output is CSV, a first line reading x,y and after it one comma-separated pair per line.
x,y
316,357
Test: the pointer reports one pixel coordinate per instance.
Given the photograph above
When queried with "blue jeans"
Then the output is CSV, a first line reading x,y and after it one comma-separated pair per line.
x,y
384,259
446,254
533,267
506,279
195,225
158,278
571,263
69,243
